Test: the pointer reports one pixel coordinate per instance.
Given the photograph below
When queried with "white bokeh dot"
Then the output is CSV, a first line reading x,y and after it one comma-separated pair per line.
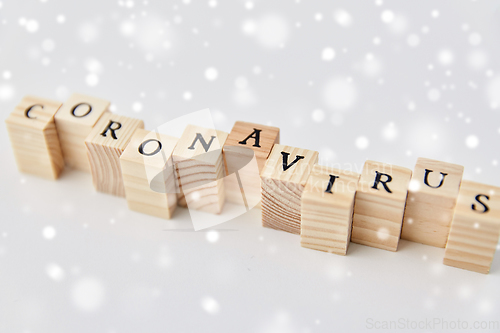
x,y
362,142
387,16
383,234
187,96
61,19
328,54
445,57
211,74
210,305
88,294
55,272
414,185
390,132
32,26
343,18
49,232
92,79
318,115
212,236
472,141
137,106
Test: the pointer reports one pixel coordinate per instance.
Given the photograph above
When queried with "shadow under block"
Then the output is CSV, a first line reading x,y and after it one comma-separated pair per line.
x,y
327,208
74,122
432,197
380,205
475,228
105,143
34,139
199,166
148,173
283,180
245,153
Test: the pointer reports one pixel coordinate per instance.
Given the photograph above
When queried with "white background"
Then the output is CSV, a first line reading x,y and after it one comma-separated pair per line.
x,y
385,80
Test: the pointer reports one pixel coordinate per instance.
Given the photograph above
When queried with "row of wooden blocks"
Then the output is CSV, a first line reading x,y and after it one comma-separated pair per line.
x,y
327,207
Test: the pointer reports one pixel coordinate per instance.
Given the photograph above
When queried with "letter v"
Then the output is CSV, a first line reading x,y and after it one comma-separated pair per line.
x,y
287,166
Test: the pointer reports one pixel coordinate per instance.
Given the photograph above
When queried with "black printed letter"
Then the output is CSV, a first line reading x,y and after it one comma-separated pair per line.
x,y
156,151
426,178
28,110
255,135
205,145
89,109
330,183
110,128
286,166
485,208
378,180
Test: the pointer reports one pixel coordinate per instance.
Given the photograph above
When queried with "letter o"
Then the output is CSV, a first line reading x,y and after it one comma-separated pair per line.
x,y
73,112
143,145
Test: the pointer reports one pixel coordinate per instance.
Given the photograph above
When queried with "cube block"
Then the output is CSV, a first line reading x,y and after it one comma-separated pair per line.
x,y
475,228
380,205
245,142
74,122
34,138
105,143
432,197
199,166
148,173
327,209
283,180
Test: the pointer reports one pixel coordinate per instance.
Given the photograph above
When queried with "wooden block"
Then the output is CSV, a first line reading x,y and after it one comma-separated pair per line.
x,y
432,197
105,143
34,139
283,180
245,141
148,173
475,228
327,208
199,165
380,205
74,122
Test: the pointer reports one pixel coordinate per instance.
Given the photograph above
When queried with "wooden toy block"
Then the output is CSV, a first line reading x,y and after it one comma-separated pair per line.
x,y
475,228
283,180
105,143
74,122
199,166
380,205
34,139
432,197
148,173
245,141
327,208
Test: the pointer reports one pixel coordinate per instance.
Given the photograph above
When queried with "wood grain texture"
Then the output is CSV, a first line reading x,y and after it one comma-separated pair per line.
x,y
238,155
282,189
326,216
378,213
429,210
104,151
148,173
34,137
474,231
200,172
74,122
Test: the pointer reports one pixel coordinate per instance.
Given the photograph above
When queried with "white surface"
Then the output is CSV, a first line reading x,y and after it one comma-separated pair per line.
x,y
72,260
